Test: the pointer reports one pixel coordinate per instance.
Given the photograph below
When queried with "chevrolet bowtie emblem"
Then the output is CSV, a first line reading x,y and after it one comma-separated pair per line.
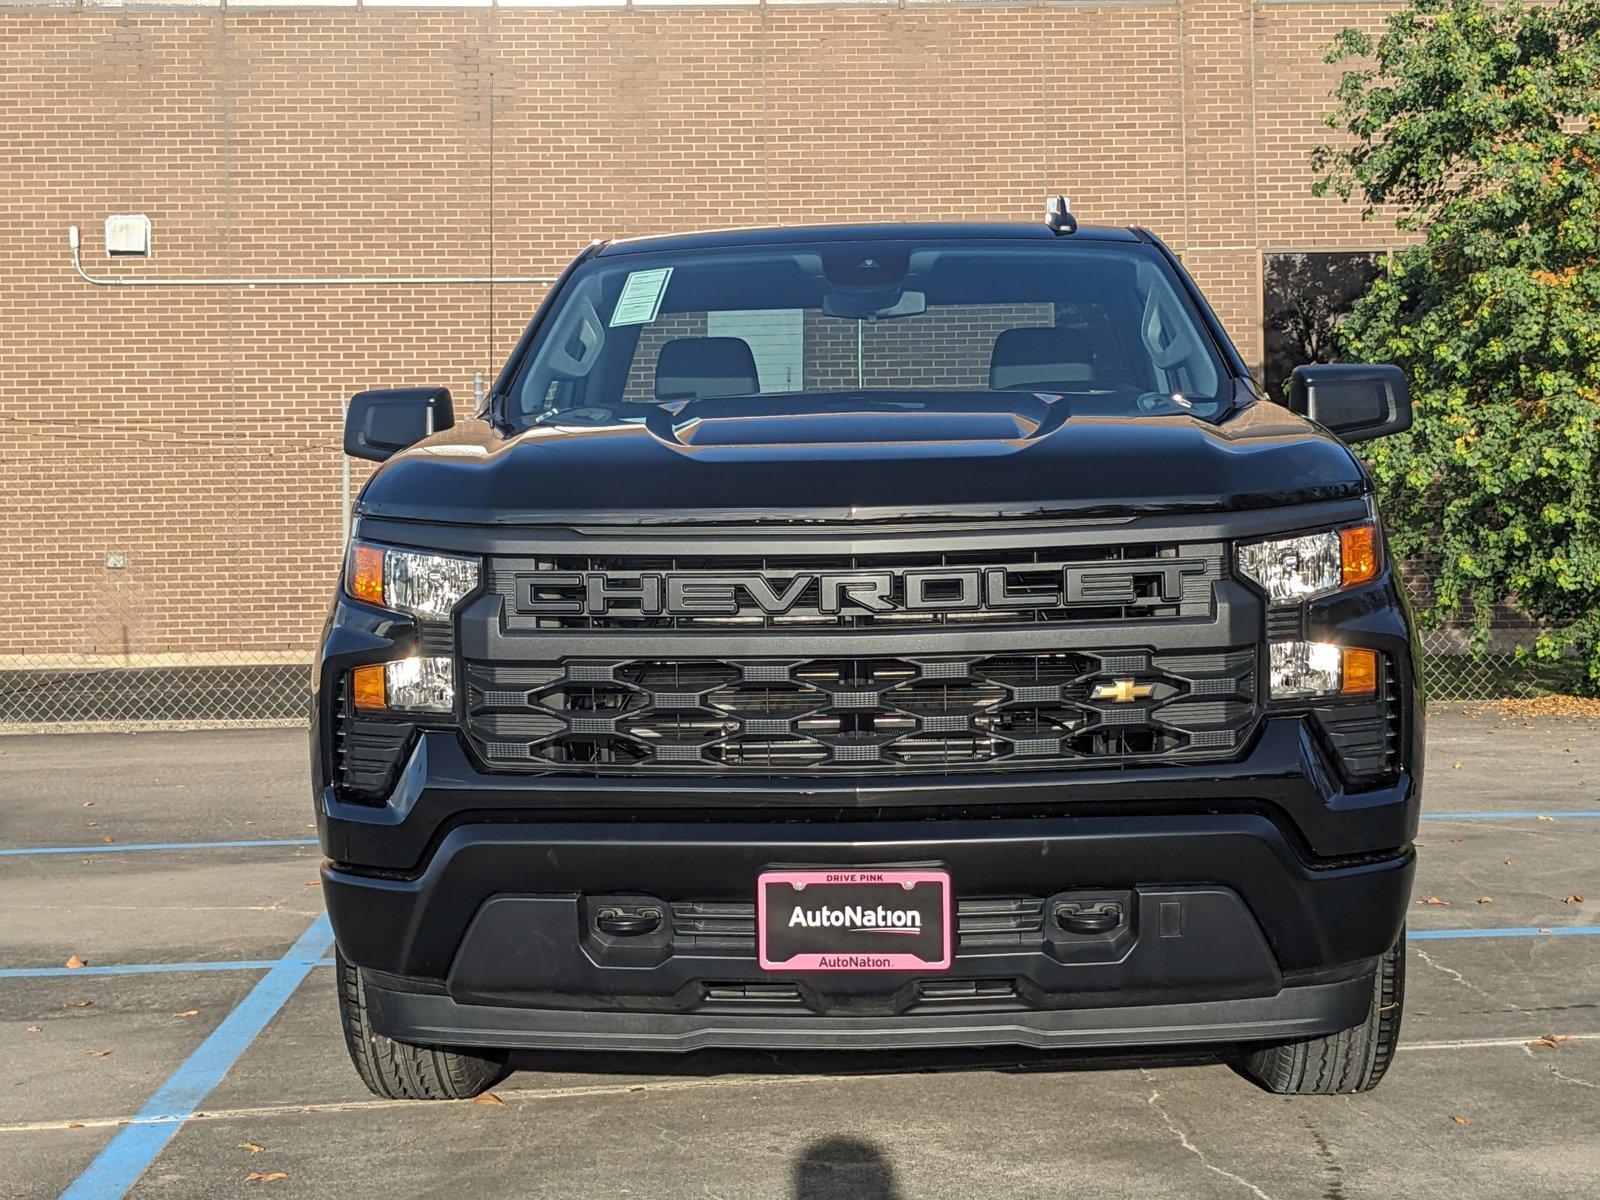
x,y
1122,691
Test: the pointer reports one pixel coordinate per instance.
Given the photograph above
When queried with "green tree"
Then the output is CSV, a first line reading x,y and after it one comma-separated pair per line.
x,y
1477,126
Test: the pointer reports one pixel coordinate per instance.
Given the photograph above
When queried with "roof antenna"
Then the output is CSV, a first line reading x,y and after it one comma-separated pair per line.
x,y
1058,216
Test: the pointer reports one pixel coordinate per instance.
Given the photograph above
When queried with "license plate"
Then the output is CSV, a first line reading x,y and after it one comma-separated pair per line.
x,y
850,920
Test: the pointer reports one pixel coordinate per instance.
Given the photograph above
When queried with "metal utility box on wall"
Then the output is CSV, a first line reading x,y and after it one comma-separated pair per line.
x,y
128,236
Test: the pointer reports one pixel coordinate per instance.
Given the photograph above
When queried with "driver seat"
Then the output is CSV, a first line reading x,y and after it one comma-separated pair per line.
x,y
1023,359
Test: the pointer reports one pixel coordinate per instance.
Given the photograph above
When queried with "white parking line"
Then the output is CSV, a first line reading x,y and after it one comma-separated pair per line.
x,y
1490,1043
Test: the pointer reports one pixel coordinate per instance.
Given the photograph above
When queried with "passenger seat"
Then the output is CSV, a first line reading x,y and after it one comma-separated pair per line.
x,y
695,368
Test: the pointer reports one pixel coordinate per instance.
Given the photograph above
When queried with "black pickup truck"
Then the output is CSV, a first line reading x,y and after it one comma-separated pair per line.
x,y
867,637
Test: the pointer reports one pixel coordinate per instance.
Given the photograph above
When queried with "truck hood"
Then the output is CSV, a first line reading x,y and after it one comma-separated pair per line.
x,y
862,458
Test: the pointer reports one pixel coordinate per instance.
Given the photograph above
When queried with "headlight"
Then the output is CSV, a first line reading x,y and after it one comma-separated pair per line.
x,y
1299,670
1315,564
406,684
424,585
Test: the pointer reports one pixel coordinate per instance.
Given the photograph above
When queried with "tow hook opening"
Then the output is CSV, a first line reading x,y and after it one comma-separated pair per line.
x,y
1089,918
628,922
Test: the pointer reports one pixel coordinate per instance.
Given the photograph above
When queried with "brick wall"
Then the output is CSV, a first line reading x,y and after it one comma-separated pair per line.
x,y
196,430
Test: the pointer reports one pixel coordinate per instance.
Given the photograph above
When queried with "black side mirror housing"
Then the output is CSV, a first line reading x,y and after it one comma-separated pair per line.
x,y
1357,401
382,423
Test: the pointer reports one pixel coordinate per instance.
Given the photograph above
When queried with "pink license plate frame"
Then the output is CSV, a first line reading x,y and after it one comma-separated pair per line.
x,y
876,880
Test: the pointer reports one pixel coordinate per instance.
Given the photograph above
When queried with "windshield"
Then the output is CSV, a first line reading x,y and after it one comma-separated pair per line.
x,y
1103,325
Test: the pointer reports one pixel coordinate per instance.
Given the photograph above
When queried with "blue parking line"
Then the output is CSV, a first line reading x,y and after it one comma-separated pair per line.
x,y
117,1167
113,848
247,964
1506,816
1413,935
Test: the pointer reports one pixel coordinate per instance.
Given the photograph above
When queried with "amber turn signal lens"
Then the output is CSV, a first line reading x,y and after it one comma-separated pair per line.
x,y
1358,554
366,687
1360,672
366,574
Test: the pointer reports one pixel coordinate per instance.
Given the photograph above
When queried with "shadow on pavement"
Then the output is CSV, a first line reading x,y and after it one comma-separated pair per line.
x,y
839,1167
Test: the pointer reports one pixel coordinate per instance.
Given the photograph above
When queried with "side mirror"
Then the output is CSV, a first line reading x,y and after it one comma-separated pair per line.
x,y
1358,402
381,423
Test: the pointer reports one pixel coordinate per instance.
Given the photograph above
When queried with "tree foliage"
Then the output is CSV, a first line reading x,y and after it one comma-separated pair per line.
x,y
1478,125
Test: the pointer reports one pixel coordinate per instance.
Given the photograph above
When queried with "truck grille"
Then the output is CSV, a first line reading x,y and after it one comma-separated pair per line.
x,y
1116,583
828,715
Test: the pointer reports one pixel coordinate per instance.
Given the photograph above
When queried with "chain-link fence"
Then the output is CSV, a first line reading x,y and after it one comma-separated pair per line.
x,y
66,696
221,687
96,687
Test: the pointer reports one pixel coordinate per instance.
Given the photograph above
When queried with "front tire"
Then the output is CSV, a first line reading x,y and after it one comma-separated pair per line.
x,y
399,1070
1352,1060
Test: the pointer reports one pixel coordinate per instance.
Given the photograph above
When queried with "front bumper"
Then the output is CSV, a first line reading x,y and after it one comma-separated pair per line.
x,y
1310,1010
1230,935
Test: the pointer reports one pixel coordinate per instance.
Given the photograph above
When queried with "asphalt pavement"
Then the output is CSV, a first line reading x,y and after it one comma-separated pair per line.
x,y
197,1052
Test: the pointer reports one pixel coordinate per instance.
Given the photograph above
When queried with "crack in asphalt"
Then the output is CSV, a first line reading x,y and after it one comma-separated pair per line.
x,y
1558,1072
1183,1140
1472,987
1332,1168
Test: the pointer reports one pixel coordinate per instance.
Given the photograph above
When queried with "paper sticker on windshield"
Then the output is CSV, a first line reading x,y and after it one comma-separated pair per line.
x,y
641,297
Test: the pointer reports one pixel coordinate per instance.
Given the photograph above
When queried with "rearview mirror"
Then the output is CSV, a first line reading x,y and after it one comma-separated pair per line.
x,y
1357,401
873,304
381,423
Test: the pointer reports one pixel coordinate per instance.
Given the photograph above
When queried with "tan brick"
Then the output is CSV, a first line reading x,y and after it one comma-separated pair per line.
x,y
197,430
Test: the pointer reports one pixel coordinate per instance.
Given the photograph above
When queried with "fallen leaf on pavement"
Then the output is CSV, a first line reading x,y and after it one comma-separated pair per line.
x,y
1542,817
74,1124
88,803
74,963
314,883
1435,902
97,1053
252,1147
106,840
1459,1120
490,1100
269,1177
1507,861
1573,898
1485,899
1552,1040
188,1012
1456,766
78,1004
35,1029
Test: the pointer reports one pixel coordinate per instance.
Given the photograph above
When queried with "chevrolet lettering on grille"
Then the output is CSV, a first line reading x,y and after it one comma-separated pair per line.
x,y
930,590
